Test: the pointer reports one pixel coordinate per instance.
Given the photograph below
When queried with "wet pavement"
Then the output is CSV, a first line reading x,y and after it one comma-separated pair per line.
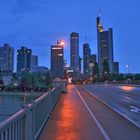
x,y
79,115
124,99
70,120
115,126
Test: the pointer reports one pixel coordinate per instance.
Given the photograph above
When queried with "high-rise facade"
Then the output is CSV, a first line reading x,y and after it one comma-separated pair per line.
x,y
7,58
93,58
24,60
74,54
86,60
93,65
80,64
34,61
57,61
105,47
116,67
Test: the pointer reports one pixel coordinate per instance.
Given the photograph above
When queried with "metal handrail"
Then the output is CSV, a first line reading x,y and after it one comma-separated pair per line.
x,y
28,122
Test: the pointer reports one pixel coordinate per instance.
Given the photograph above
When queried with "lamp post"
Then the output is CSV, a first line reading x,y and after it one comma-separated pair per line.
x,y
128,69
106,75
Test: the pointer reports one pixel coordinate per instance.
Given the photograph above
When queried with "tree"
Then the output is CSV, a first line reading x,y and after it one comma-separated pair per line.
x,y
96,69
1,81
105,66
47,79
121,77
105,69
15,78
26,81
137,76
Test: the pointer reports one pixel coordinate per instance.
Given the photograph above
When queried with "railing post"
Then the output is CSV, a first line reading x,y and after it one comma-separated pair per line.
x,y
33,120
28,124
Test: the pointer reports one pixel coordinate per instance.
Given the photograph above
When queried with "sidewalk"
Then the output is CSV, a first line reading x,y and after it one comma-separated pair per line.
x,y
70,120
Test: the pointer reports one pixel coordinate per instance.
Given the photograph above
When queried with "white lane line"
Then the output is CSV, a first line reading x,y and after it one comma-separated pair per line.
x,y
135,109
112,108
94,118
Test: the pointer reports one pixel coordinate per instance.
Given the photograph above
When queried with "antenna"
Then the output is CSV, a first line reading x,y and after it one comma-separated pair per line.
x,y
100,13
86,39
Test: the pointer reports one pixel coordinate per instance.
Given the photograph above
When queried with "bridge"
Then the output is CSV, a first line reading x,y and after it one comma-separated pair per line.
x,y
85,112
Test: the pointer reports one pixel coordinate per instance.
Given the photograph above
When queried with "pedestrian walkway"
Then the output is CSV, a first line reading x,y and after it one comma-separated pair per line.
x,y
70,120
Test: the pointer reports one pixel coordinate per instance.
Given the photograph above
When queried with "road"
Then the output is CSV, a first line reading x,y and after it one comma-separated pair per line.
x,y
124,99
107,102
92,112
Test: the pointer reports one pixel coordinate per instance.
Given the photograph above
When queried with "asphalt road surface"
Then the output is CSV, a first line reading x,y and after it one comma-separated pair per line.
x,y
124,99
116,108
95,112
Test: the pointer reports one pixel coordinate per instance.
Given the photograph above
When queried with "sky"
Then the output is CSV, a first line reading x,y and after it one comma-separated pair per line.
x,y
37,24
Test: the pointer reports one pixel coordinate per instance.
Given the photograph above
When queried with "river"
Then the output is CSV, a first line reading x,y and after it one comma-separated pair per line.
x,y
12,104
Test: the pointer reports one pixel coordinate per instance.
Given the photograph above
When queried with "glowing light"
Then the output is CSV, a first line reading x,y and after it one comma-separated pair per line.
x,y
67,66
56,48
127,88
61,43
60,54
69,80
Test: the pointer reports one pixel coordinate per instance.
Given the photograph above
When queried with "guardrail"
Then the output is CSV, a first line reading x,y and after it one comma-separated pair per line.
x,y
29,121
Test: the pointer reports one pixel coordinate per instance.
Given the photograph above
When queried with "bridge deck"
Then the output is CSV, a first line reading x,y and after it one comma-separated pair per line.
x,y
70,120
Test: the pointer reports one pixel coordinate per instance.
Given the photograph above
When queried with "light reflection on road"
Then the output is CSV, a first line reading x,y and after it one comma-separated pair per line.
x,y
127,88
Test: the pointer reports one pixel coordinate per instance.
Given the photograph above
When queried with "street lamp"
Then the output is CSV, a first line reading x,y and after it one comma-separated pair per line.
x,y
127,66
106,75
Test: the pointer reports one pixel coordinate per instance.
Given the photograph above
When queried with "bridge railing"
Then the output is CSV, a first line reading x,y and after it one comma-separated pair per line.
x,y
29,121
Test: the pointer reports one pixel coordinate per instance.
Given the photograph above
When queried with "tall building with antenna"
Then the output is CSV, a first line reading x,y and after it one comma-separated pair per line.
x,y
105,47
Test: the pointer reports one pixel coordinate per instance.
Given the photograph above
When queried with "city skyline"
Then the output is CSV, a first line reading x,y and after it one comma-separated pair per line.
x,y
40,35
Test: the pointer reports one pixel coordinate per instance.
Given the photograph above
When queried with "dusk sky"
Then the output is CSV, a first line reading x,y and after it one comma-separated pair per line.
x,y
37,24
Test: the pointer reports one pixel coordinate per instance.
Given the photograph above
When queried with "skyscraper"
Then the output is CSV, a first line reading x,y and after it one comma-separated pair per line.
x,y
86,60
80,64
24,59
105,47
74,54
34,61
7,58
116,67
93,65
57,61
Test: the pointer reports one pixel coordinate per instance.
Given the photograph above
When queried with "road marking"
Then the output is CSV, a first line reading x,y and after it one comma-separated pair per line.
x,y
112,108
93,117
135,109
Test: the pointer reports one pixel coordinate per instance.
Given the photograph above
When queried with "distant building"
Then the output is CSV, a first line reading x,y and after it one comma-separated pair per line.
x,y
34,61
57,61
80,64
7,77
74,54
105,47
93,65
86,60
24,60
7,58
40,70
93,58
116,67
